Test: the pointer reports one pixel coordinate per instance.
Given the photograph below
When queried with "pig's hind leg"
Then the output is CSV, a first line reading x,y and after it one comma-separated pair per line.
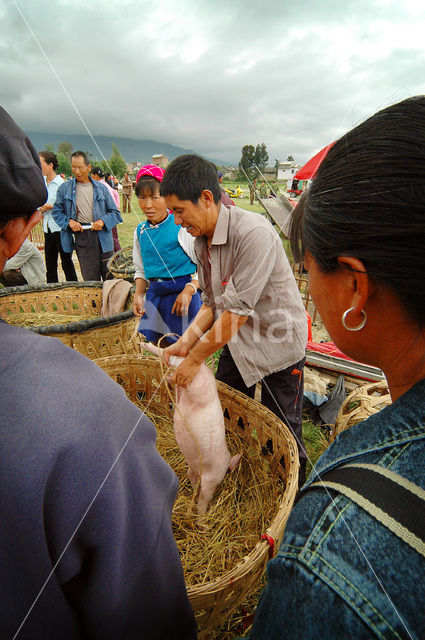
x,y
208,487
206,493
234,461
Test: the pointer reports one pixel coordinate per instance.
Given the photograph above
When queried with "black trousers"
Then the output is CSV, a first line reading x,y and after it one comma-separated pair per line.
x,y
281,392
52,249
90,256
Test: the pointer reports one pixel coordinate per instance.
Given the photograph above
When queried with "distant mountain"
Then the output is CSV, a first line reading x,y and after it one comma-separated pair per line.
x,y
131,150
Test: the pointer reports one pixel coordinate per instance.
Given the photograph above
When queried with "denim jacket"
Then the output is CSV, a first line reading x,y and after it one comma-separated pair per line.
x,y
104,208
340,574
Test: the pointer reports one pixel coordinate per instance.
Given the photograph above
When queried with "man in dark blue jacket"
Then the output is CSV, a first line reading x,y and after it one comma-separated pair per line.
x,y
86,545
86,214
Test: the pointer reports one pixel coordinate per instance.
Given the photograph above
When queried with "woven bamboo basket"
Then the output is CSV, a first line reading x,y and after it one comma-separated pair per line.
x,y
95,337
214,601
360,404
120,265
37,236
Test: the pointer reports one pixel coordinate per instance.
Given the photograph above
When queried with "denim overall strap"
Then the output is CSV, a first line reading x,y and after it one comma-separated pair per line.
x,y
395,502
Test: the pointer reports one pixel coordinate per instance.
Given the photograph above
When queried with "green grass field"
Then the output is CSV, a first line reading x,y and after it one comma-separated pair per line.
x,y
131,220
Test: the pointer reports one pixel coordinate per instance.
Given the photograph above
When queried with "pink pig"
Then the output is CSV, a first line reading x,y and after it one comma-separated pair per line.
x,y
198,408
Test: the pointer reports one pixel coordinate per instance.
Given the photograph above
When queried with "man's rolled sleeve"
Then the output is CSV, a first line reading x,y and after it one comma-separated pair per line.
x,y
231,301
205,299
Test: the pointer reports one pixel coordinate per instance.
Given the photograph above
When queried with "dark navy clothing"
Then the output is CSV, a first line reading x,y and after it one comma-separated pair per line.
x,y
85,504
158,319
339,573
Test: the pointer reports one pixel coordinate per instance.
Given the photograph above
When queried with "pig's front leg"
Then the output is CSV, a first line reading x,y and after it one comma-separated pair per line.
x,y
193,477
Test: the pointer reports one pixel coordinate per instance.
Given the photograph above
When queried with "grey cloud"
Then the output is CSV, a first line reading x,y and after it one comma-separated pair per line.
x,y
211,77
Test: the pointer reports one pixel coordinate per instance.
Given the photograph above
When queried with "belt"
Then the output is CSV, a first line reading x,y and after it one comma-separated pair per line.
x,y
160,279
167,279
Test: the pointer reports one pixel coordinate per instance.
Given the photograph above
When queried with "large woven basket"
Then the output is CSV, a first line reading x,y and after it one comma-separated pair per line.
x,y
94,337
120,265
360,404
214,601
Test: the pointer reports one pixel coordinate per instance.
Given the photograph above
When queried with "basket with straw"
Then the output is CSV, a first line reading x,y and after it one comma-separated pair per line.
x,y
363,402
72,313
120,265
225,560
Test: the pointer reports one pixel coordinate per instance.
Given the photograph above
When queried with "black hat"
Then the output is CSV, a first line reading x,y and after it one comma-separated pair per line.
x,y
97,171
22,186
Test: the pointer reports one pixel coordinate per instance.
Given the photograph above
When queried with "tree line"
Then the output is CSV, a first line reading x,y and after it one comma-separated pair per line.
x,y
254,158
116,165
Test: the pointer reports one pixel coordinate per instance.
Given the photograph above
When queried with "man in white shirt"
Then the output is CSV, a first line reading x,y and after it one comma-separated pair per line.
x,y
25,267
52,240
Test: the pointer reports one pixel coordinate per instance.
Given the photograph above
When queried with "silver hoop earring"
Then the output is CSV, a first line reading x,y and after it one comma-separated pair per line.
x,y
360,326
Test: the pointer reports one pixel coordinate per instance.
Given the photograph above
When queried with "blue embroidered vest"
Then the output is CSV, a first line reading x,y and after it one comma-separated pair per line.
x,y
162,255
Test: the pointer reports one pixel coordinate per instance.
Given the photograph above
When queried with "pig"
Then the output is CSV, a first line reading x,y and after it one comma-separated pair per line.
x,y
198,408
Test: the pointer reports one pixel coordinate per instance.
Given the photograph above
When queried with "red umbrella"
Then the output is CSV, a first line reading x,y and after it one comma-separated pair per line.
x,y
309,170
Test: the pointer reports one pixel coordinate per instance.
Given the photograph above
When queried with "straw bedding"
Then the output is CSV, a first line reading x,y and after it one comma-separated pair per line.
x,y
44,319
241,510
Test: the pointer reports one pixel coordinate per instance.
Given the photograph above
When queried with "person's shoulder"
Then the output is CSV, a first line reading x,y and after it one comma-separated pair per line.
x,y
66,185
58,180
102,187
183,233
140,226
64,370
243,221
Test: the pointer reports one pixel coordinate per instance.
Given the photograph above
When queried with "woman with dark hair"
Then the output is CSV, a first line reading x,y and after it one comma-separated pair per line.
x,y
164,257
52,237
352,560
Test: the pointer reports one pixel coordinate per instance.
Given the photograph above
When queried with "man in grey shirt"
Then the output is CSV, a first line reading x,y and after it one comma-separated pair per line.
x,y
251,303
86,214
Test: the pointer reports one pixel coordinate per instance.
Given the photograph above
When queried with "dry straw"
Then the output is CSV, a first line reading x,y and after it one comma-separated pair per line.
x,y
72,313
225,558
363,402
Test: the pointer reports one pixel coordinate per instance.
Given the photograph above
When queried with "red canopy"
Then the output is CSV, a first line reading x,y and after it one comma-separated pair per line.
x,y
310,168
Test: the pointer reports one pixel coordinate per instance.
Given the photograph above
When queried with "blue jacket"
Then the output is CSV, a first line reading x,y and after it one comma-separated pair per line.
x,y
339,573
104,208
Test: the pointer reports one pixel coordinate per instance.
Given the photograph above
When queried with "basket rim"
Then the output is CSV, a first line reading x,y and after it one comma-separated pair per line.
x,y
124,270
51,286
83,325
260,553
69,327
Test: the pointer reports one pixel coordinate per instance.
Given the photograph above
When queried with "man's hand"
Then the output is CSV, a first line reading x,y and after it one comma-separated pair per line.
x,y
138,305
74,225
182,303
176,349
97,225
185,372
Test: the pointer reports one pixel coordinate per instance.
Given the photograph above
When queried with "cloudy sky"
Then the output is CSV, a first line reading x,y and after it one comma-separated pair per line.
x,y
210,75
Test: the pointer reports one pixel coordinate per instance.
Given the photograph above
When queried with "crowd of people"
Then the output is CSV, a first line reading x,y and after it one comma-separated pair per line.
x,y
87,544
